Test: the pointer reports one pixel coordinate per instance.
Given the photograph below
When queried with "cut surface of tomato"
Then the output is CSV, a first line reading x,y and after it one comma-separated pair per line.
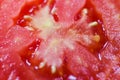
x,y
12,67
9,10
5,24
82,63
59,40
66,10
15,39
110,16
109,67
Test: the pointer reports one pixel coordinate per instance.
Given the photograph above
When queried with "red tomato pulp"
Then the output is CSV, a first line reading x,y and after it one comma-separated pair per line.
x,y
59,40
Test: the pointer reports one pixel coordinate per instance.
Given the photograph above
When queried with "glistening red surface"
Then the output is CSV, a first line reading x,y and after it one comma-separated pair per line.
x,y
58,39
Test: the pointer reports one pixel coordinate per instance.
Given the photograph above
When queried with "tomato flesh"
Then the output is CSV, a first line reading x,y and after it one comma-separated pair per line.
x,y
49,55
66,10
110,16
12,67
59,40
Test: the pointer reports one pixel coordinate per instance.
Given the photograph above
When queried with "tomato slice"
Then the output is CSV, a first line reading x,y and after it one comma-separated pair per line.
x,y
65,41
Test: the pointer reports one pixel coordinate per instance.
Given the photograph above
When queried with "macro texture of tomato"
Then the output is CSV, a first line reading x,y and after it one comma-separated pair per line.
x,y
66,10
111,19
59,40
110,54
13,68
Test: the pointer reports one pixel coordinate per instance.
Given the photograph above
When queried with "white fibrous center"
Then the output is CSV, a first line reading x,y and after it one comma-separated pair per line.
x,y
54,42
56,39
